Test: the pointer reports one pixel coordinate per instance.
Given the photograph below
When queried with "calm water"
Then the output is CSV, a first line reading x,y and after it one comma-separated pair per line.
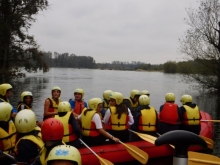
x,y
94,82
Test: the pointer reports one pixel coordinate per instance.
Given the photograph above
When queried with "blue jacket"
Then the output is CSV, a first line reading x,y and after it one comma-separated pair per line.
x,y
72,103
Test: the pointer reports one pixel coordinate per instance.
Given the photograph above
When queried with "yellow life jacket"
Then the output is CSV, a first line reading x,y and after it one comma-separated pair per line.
x,y
8,139
37,140
4,100
147,120
69,135
25,106
118,124
39,131
191,116
88,126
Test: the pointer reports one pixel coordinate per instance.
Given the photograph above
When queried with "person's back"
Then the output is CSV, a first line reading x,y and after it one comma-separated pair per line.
x,y
191,115
71,129
169,117
145,117
29,142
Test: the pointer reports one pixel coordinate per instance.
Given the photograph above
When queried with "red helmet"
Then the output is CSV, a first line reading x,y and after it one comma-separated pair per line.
x,y
52,129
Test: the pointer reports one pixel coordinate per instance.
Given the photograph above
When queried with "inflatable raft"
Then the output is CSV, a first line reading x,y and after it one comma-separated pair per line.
x,y
117,153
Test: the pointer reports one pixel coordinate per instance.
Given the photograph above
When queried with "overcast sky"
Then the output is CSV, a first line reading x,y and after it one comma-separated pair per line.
x,y
114,30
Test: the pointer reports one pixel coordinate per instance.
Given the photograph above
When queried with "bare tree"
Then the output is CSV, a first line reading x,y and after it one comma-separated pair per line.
x,y
201,43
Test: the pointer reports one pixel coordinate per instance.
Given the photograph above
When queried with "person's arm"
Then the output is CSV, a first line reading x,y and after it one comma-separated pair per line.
x,y
46,108
130,118
75,127
96,119
106,117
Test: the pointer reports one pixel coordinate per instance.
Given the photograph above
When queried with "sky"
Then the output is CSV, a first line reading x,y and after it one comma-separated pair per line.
x,y
114,30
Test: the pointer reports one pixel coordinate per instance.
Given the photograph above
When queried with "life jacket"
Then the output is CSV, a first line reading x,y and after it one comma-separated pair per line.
x,y
169,114
53,107
8,139
115,123
147,120
191,116
88,126
37,140
105,104
79,106
4,100
69,134
23,106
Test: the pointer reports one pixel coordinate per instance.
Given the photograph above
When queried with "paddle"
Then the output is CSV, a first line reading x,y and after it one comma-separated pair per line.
x,y
218,121
136,152
101,160
210,142
9,156
195,158
145,137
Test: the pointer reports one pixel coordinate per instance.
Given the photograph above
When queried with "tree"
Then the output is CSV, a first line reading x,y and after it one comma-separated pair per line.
x,y
201,44
18,49
170,67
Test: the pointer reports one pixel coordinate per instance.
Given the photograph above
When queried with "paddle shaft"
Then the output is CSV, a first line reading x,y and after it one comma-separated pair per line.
x,y
218,121
88,147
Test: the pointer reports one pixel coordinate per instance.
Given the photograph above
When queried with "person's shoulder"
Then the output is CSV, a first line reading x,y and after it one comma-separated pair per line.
x,y
27,144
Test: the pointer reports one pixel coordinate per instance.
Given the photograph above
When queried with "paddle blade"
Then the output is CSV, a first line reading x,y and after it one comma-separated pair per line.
x,y
148,138
137,153
195,158
210,142
104,161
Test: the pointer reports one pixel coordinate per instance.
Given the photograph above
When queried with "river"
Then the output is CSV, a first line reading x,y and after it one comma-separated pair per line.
x,y
94,82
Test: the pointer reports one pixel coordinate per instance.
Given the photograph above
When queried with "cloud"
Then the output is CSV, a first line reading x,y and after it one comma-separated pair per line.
x,y
116,30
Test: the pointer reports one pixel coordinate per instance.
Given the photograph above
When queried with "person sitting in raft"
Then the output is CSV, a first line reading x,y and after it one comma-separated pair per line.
x,y
132,102
105,104
51,104
78,104
92,128
5,94
8,133
169,117
64,155
190,115
71,129
52,131
25,101
145,117
118,117
29,140
145,92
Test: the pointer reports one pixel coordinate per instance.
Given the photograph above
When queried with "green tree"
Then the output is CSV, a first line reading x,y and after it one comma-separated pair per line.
x,y
18,49
170,67
201,44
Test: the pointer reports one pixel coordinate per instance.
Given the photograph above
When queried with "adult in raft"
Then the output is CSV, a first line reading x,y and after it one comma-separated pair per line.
x,y
145,117
71,129
5,94
78,104
169,117
8,133
52,131
92,127
29,140
64,155
118,117
132,102
145,92
51,104
190,115
105,104
26,101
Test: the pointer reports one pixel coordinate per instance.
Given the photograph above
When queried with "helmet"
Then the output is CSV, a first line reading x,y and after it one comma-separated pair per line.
x,y
186,98
25,121
79,90
5,111
106,94
4,88
64,152
118,97
56,88
94,102
64,106
145,92
144,100
52,129
134,93
25,93
170,97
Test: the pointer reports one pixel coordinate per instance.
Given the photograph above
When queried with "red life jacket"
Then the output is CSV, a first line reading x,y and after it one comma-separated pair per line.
x,y
53,107
169,114
79,106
